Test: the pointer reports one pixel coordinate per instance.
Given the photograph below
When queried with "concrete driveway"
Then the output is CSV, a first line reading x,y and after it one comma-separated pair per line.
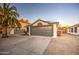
x,y
24,45
64,45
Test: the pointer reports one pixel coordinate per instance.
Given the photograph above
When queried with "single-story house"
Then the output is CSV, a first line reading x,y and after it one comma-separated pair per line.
x,y
22,29
43,28
73,29
24,23
17,30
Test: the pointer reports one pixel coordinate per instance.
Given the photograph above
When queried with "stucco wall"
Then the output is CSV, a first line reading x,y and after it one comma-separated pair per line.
x,y
78,29
40,22
73,31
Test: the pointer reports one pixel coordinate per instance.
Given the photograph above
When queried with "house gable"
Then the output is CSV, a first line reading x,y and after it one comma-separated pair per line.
x,y
36,23
44,23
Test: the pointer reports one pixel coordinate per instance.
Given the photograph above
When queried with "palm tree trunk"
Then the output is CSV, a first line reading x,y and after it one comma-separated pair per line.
x,y
4,32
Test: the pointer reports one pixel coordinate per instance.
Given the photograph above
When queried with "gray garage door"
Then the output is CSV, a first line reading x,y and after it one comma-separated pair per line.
x,y
43,31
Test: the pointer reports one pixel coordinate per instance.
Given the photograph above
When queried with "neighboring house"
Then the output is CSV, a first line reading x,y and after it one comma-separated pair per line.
x,y
23,28
8,30
44,28
16,30
73,29
24,23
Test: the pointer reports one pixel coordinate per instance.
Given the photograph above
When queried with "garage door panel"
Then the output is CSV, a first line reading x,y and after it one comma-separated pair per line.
x,y
44,31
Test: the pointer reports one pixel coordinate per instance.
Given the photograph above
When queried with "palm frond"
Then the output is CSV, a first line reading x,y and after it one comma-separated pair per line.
x,y
12,8
15,14
8,5
9,15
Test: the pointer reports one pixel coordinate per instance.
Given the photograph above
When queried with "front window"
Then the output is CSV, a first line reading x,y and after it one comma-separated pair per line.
x,y
75,29
71,29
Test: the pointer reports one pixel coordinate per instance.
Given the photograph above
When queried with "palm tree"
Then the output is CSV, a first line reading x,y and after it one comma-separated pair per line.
x,y
8,17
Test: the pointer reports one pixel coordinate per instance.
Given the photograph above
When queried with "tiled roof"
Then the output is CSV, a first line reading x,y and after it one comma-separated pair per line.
x,y
75,25
23,21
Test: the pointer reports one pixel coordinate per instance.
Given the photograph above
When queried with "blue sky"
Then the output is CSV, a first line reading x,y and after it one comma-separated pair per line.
x,y
63,12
